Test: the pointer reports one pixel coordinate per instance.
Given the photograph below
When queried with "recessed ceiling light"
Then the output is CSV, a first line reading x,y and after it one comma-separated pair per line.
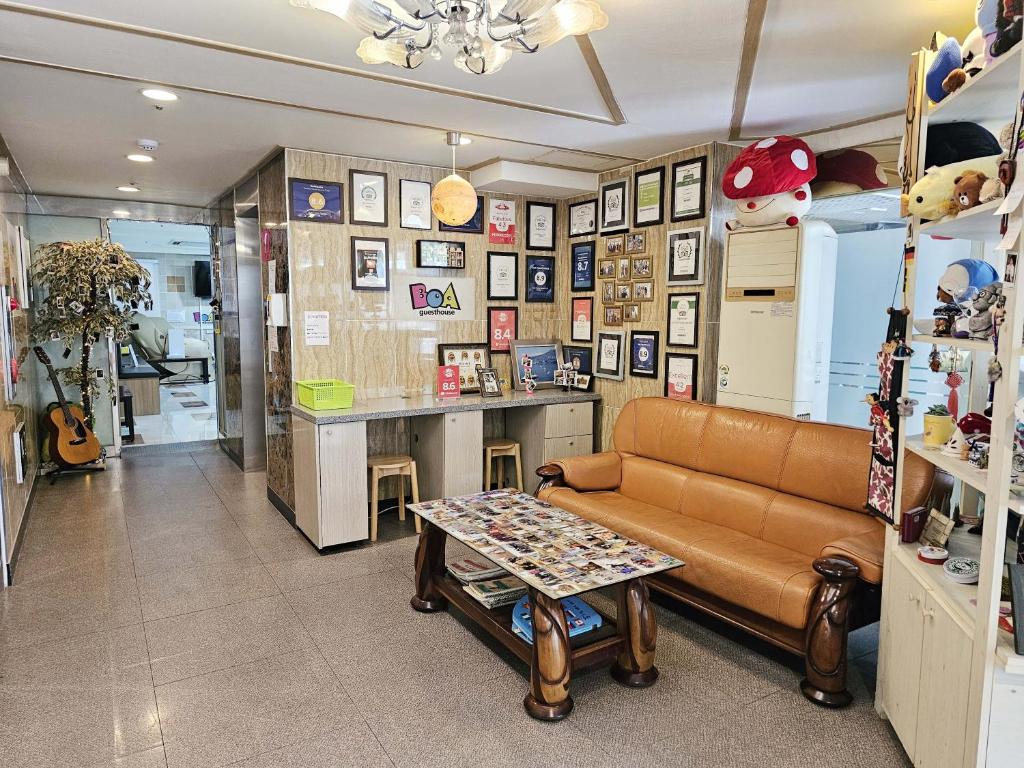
x,y
464,140
128,188
121,212
141,158
159,94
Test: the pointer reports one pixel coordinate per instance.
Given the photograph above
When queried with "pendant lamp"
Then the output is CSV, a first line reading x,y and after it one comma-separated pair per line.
x,y
453,199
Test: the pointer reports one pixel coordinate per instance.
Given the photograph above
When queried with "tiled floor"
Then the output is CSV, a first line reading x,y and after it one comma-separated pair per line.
x,y
181,419
166,615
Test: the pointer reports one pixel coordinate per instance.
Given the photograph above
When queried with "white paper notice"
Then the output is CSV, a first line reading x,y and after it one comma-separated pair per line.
x,y
318,328
1009,241
272,276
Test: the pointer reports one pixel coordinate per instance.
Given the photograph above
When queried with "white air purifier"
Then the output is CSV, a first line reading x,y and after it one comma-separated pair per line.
x,y
775,336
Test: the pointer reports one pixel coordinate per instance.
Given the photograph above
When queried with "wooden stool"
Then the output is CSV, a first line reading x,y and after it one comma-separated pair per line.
x,y
499,448
391,466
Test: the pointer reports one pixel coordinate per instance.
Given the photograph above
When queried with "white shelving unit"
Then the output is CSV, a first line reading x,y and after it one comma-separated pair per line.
x,y
943,661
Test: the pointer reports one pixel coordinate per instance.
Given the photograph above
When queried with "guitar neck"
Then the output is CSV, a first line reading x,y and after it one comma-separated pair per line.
x,y
61,400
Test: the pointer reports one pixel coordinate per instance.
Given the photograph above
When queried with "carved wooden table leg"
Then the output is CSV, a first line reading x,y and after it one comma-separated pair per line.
x,y
429,566
827,630
551,668
638,628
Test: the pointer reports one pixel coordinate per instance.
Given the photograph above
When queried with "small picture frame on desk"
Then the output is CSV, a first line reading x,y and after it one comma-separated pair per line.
x,y
541,357
468,357
582,360
490,384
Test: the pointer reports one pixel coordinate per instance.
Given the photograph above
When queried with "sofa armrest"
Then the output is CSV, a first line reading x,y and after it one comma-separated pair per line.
x,y
596,472
866,550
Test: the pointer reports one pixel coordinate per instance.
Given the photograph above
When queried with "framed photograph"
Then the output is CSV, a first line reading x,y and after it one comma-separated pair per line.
x,y
636,242
368,198
648,197
475,226
615,206
502,276
641,267
414,204
540,226
540,279
608,292
643,290
608,364
369,264
311,200
623,292
583,266
489,383
440,254
582,358
582,318
615,246
613,315
685,257
606,268
625,269
680,376
583,218
631,312
643,354
502,327
683,314
688,189
541,357
468,357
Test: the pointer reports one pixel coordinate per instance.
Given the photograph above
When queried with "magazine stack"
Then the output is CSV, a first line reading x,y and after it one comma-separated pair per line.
x,y
497,592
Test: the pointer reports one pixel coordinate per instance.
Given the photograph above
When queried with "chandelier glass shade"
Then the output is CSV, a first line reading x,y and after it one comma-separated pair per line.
x,y
481,35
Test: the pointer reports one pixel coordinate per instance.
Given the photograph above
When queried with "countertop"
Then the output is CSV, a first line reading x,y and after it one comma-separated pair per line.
x,y
423,405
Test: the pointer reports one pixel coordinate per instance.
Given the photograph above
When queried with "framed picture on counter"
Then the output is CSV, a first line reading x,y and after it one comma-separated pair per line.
x,y
614,206
683,315
368,198
540,226
685,257
680,376
583,218
540,357
583,266
475,226
369,264
643,354
583,319
648,197
490,385
311,200
608,364
502,276
468,357
688,189
441,254
540,279
414,204
502,328
582,360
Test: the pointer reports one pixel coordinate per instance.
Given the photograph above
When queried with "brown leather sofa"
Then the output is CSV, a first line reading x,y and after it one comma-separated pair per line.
x,y
767,513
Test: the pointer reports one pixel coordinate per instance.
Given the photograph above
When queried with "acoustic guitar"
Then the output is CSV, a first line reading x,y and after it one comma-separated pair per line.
x,y
71,443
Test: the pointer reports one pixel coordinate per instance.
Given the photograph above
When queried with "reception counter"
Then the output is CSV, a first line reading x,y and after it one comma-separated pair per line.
x,y
447,438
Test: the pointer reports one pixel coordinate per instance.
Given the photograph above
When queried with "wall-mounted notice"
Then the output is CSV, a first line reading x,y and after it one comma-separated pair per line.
x,y
318,328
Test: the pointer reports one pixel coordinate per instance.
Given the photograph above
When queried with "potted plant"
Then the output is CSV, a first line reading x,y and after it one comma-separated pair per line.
x,y
91,290
938,426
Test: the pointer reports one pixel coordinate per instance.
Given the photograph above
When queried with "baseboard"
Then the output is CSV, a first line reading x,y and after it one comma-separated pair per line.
x,y
22,528
280,505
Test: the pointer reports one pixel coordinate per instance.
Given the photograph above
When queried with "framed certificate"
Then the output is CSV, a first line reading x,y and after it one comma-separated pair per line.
x,y
583,218
468,358
502,276
608,364
683,314
688,189
310,200
414,204
614,206
582,319
680,376
368,198
501,222
369,264
540,226
648,197
583,266
440,254
502,328
643,354
540,279
685,257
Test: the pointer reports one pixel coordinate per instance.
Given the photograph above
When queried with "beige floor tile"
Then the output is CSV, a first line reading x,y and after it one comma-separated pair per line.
x,y
184,590
306,572
350,747
189,544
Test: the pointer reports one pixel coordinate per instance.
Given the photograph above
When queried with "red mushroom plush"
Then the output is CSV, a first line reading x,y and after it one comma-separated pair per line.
x,y
771,182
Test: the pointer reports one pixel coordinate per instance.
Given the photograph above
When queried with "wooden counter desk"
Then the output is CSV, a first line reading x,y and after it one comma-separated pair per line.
x,y
447,436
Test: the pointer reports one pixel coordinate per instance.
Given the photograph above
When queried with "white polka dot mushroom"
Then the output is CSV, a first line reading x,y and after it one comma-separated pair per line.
x,y
770,181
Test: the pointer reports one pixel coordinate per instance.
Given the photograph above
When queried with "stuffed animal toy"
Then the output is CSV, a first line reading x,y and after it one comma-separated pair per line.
x,y
974,53
967,189
931,195
1009,24
770,182
982,323
964,279
947,58
953,142
847,170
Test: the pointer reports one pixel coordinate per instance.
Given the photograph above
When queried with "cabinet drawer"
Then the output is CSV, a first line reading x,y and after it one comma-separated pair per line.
x,y
569,419
567,447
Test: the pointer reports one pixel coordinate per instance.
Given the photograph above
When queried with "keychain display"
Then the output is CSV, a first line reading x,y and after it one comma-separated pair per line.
x,y
905,406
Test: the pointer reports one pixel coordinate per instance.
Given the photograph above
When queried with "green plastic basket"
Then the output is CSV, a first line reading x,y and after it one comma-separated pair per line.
x,y
325,394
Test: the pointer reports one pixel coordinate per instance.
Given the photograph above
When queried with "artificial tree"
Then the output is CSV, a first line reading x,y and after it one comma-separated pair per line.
x,y
92,288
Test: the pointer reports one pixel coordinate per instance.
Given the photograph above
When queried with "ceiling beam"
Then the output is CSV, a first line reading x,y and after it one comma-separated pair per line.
x,y
748,58
586,46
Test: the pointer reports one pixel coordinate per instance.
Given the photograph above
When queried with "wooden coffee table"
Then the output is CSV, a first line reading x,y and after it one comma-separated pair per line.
x,y
557,554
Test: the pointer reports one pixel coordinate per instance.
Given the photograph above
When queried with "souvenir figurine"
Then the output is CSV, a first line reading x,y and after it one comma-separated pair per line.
x,y
945,315
902,351
879,417
934,360
905,406
981,324
995,370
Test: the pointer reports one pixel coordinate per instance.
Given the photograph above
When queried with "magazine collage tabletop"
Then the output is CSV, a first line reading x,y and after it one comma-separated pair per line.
x,y
554,551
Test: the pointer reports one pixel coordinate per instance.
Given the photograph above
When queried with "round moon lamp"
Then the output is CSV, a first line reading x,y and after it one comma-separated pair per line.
x,y
453,200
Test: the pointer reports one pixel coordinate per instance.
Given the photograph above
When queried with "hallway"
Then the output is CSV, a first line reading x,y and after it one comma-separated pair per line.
x,y
166,614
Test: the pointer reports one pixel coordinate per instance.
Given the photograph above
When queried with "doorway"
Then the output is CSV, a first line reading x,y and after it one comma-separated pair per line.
x,y
166,371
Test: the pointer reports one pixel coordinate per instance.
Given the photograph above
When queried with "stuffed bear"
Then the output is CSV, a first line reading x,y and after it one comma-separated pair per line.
x,y
931,196
967,189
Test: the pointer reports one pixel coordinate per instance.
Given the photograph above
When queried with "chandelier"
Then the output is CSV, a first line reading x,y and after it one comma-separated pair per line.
x,y
482,33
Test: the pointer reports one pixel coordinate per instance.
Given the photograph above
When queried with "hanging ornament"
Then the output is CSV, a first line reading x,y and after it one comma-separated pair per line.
x,y
995,370
902,351
905,406
953,380
935,360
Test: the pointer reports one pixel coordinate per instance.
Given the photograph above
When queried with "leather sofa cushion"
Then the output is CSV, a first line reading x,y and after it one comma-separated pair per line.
x,y
652,482
762,577
806,526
